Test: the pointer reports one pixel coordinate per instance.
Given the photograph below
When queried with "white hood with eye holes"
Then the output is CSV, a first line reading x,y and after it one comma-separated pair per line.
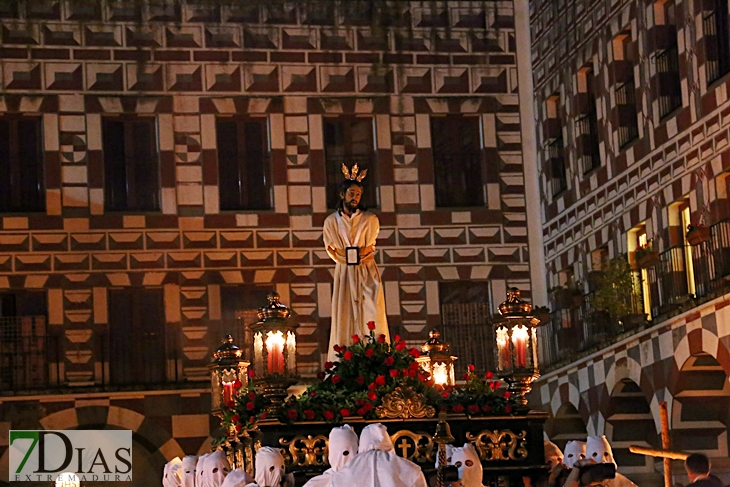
x,y
466,459
216,468
342,446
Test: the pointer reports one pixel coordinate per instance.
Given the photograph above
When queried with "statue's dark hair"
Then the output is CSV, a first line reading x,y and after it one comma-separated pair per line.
x,y
342,189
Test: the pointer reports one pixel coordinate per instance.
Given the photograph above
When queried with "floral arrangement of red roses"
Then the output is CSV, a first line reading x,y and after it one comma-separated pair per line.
x,y
363,374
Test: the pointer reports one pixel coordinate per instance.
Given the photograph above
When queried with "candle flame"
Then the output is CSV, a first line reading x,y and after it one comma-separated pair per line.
x,y
440,374
274,338
519,333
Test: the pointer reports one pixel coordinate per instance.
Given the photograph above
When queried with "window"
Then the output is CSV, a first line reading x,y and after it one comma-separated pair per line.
x,y
239,308
666,58
137,347
457,161
553,132
465,313
26,350
625,89
350,141
131,168
586,125
244,180
717,43
21,163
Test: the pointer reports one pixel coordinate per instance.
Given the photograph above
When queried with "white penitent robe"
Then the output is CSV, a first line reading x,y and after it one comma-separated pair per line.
x,y
357,295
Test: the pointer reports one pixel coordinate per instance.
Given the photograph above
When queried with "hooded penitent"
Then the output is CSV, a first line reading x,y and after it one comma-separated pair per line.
x,y
237,478
574,451
200,480
466,459
375,437
376,465
599,450
189,463
553,455
269,467
172,474
216,467
342,447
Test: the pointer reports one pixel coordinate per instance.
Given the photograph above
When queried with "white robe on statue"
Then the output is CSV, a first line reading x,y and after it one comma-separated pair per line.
x,y
376,465
357,294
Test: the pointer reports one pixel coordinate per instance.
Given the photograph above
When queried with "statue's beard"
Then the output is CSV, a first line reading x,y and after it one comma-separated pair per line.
x,y
351,206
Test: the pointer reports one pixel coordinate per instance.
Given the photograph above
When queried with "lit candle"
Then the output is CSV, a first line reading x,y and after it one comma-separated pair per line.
x,y
503,356
275,348
519,339
227,392
440,374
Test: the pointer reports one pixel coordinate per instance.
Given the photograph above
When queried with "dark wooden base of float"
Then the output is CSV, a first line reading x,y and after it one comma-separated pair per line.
x,y
510,447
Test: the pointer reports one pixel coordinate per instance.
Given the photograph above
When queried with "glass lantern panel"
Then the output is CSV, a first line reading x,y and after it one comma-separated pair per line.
x,y
291,352
275,349
520,339
504,358
258,354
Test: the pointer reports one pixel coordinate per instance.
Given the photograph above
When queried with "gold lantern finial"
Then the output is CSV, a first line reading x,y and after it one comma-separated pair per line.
x,y
437,360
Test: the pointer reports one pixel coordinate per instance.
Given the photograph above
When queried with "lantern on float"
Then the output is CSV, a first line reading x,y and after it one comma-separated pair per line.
x,y
228,372
274,351
436,360
516,345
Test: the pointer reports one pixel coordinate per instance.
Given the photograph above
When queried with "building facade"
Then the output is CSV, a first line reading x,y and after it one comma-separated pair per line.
x,y
167,165
632,117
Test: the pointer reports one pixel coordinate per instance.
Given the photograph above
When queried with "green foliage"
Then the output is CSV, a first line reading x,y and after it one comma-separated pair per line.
x,y
616,291
355,384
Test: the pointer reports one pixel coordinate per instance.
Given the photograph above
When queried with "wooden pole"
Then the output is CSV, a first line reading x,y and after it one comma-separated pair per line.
x,y
664,418
650,452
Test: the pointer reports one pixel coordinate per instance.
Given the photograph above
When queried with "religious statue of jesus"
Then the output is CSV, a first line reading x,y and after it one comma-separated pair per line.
x,y
349,238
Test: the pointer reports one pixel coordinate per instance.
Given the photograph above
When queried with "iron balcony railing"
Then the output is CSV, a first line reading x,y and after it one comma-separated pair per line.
x,y
670,88
628,128
466,328
711,261
717,46
145,359
458,170
587,127
29,357
558,174
668,281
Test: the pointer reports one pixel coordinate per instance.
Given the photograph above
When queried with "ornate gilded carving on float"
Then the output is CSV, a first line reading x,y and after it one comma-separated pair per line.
x,y
499,445
417,447
304,451
404,403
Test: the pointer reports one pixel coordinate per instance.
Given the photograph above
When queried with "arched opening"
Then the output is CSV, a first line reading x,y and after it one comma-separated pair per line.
x,y
629,422
565,426
701,410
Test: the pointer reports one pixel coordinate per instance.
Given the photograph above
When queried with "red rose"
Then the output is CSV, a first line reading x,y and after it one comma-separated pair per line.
x,y
337,348
400,346
372,395
389,360
360,380
239,427
458,408
348,355
489,375
473,408
396,338
413,366
466,376
422,377
328,365
355,339
413,373
380,380
292,414
368,406
329,415
381,338
369,352
371,325
361,412
360,403
252,395
445,395
250,405
237,384
507,394
336,379
372,386
344,412
470,368
394,372
309,414
494,385
313,394
252,419
230,404
235,418
263,415
486,408
251,373
413,352
508,409
320,375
